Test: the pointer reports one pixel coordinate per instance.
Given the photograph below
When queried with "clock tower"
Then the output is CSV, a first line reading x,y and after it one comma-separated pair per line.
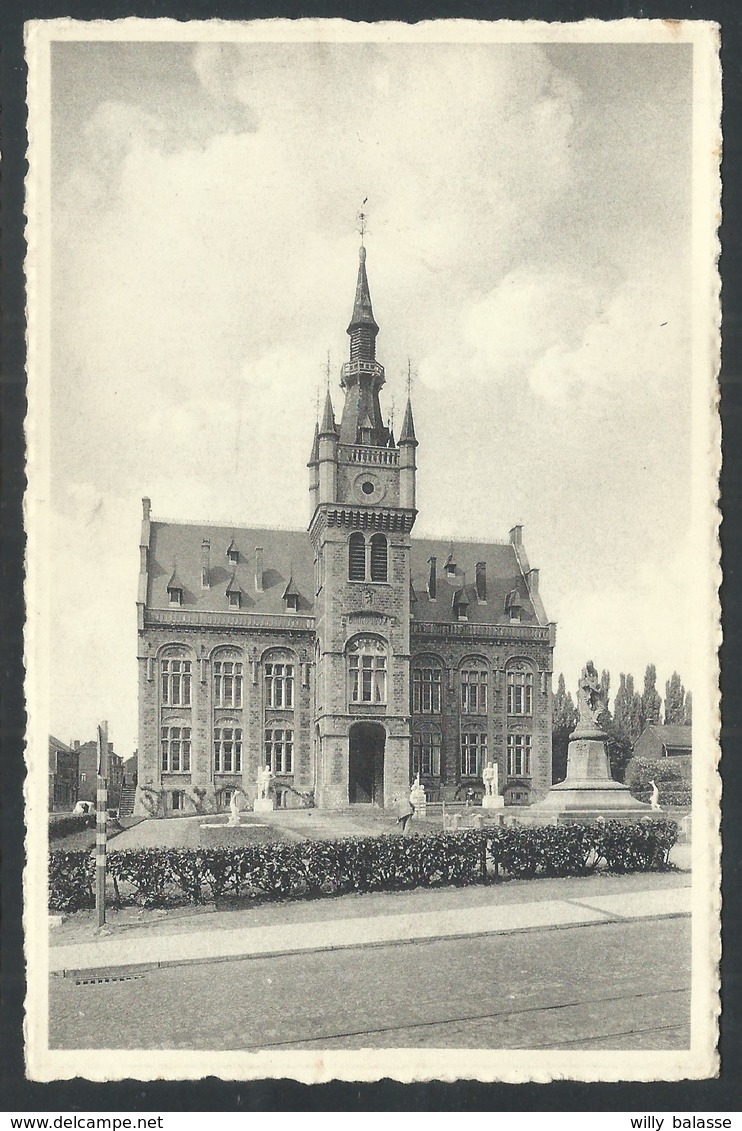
x,y
362,497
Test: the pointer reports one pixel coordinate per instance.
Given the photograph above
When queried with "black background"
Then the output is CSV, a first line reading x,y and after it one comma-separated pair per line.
x,y
18,1094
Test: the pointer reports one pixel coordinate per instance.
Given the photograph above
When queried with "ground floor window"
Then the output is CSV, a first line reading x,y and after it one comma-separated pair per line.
x,y
473,753
227,749
519,755
426,754
175,748
178,799
279,750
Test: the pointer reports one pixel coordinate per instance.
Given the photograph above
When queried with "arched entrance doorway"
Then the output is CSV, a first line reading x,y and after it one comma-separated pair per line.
x,y
366,764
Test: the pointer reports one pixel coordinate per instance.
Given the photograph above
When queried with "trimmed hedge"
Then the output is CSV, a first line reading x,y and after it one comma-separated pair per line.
x,y
60,827
154,877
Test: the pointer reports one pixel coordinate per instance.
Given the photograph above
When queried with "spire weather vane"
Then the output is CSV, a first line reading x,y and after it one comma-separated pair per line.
x,y
408,378
362,219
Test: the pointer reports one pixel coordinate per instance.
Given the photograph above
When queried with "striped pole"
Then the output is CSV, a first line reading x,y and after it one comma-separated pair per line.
x,y
100,824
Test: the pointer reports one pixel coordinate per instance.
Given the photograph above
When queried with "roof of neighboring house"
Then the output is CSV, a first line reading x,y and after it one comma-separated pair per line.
x,y
57,747
673,737
287,555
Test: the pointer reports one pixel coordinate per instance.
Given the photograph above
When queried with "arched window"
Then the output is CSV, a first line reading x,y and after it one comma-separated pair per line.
x,y
426,753
175,678
427,676
474,687
175,749
227,679
357,557
379,558
279,750
227,747
519,755
519,681
279,681
367,670
473,753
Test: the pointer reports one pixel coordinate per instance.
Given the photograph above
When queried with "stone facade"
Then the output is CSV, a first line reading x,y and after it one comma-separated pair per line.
x,y
350,657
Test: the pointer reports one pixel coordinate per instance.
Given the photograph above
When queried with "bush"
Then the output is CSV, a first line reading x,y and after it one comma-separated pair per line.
x,y
60,827
71,881
154,877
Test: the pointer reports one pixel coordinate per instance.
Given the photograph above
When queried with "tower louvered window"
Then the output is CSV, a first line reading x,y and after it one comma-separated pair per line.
x,y
379,558
357,557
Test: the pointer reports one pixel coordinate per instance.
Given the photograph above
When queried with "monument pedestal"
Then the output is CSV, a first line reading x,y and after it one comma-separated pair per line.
x,y
588,791
493,801
263,805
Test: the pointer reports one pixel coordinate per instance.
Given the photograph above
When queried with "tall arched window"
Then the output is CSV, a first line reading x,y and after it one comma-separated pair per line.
x,y
426,752
519,681
474,687
379,558
227,679
175,749
175,677
367,670
427,678
227,747
279,680
357,557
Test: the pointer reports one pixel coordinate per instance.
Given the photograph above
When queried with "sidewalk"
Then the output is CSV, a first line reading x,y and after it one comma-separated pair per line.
x,y
171,949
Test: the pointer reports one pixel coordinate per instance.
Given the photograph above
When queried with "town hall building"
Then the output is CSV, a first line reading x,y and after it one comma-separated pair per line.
x,y
348,657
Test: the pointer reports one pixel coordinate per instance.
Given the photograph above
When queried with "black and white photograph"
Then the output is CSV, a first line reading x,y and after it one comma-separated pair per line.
x,y
372,565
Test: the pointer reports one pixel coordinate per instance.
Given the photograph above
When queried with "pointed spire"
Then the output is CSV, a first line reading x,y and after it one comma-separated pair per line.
x,y
328,418
407,435
314,457
363,314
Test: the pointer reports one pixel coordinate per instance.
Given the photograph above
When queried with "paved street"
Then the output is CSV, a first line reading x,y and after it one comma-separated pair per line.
x,y
622,985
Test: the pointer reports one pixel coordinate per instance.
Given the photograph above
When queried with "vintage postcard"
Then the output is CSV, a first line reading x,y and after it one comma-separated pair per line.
x,y
373,452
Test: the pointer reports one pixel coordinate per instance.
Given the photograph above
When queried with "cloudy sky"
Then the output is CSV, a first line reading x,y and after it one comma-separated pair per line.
x,y
528,249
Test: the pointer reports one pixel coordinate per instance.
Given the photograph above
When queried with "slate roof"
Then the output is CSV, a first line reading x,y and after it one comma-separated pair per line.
x,y
503,575
288,554
674,737
181,544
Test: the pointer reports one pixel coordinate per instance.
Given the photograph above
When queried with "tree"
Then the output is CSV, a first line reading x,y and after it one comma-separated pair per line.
x,y
564,721
626,726
688,711
675,700
651,704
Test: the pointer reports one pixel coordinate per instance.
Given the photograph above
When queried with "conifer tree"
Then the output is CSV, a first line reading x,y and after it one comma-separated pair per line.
x,y
564,720
688,711
651,704
674,701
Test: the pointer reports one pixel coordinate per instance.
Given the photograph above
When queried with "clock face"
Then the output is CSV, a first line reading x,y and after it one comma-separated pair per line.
x,y
369,488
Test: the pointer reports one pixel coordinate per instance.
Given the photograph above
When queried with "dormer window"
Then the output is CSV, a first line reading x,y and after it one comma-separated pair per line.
x,y
461,605
233,554
175,588
450,565
514,605
234,593
291,596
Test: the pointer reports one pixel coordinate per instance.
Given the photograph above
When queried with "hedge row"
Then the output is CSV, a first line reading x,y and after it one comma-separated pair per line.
x,y
60,827
155,877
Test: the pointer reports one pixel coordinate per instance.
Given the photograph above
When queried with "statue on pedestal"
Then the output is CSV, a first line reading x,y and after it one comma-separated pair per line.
x,y
236,804
654,800
489,777
590,698
265,777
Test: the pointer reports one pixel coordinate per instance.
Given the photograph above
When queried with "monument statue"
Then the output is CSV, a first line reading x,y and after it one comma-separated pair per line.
x,y
590,698
264,782
236,804
654,800
489,777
